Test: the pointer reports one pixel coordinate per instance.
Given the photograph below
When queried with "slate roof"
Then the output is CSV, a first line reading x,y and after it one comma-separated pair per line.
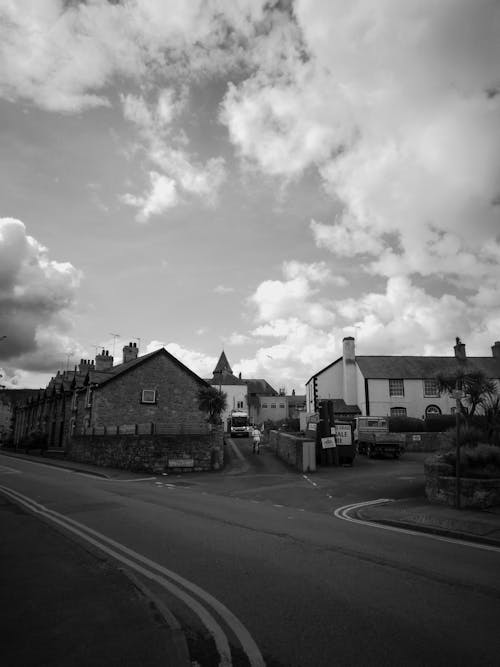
x,y
261,387
341,407
225,379
223,365
394,367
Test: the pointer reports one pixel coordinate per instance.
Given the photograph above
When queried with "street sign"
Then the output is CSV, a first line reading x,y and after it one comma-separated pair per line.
x,y
343,434
328,443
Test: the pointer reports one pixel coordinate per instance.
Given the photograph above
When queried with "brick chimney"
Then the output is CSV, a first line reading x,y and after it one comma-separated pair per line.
x,y
459,348
103,361
130,352
495,349
350,389
85,365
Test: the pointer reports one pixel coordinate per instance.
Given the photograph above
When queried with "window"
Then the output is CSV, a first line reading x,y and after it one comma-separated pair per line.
x,y
148,396
239,405
396,388
398,412
431,388
273,405
264,405
432,410
89,397
282,405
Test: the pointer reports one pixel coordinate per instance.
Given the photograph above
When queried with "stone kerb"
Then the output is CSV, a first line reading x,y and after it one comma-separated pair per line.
x,y
440,487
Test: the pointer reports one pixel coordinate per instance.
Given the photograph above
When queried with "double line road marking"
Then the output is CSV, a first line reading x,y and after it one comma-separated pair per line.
x,y
167,579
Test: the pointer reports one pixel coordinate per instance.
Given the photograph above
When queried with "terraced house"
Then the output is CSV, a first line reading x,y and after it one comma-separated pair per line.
x,y
394,385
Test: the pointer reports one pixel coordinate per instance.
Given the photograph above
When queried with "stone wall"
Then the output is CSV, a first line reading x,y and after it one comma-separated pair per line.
x,y
423,442
150,453
298,452
440,487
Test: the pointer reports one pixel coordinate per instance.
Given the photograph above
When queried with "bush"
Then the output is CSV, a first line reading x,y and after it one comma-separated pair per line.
x,y
480,461
439,423
405,424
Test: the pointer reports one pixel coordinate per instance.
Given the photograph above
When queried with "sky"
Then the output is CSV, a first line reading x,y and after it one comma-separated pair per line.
x,y
262,178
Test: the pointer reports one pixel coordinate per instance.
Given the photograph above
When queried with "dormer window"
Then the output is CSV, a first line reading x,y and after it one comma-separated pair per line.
x,y
148,396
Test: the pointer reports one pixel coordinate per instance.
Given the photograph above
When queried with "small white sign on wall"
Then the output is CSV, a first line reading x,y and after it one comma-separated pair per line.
x,y
328,443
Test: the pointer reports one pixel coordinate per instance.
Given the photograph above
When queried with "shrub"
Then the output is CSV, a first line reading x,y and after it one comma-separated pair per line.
x,y
480,461
405,424
439,423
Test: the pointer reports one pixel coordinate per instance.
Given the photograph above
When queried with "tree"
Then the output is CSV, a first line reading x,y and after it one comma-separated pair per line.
x,y
213,402
478,391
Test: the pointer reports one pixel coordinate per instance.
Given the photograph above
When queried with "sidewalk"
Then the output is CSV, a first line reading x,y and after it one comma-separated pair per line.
x,y
63,605
418,514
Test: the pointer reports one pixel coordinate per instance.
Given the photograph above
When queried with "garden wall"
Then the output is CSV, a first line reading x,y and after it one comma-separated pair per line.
x,y
150,453
298,452
423,442
440,487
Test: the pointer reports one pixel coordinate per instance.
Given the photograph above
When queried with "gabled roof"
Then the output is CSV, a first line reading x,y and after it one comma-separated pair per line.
x,y
103,377
395,367
225,379
260,386
324,369
223,365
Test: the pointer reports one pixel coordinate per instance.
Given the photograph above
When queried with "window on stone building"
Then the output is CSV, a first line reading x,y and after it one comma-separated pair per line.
x,y
273,405
264,405
148,396
89,397
282,405
396,388
433,410
431,387
398,412
239,405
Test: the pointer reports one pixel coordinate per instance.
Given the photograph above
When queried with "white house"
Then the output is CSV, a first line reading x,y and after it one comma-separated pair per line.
x,y
394,385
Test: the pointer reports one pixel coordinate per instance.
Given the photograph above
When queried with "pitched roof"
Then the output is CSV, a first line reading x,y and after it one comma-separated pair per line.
x,y
225,379
324,369
394,367
103,377
223,365
259,386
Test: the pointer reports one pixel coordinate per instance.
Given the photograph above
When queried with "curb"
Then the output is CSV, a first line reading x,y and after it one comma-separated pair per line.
x,y
432,530
52,462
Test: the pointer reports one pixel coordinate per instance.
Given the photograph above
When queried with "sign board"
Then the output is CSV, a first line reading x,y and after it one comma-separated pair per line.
x,y
343,434
311,426
416,438
328,443
181,463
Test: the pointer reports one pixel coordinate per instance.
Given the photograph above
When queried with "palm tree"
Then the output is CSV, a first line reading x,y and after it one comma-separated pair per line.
x,y
213,402
478,391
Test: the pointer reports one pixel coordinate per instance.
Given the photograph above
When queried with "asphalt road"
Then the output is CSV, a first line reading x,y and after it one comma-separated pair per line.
x,y
310,589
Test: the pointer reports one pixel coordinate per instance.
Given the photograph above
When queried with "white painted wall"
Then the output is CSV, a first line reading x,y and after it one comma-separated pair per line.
x,y
234,393
414,400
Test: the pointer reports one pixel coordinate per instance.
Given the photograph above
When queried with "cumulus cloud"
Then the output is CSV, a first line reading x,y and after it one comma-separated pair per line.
x,y
200,363
394,106
223,289
161,196
36,298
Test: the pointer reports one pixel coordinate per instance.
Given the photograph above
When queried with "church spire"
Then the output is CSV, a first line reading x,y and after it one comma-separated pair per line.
x,y
223,365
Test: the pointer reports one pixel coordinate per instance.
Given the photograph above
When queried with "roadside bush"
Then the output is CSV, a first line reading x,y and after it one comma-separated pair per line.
x,y
405,424
439,423
480,461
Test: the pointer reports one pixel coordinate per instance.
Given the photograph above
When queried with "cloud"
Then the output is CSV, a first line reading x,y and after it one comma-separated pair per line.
x,y
161,196
392,105
222,289
36,298
238,339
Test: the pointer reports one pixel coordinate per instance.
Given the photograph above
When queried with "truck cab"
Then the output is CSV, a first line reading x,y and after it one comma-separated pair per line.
x,y
372,437
239,426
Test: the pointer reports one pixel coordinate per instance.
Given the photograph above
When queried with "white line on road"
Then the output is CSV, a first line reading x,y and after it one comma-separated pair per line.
x,y
5,470
343,513
309,480
165,580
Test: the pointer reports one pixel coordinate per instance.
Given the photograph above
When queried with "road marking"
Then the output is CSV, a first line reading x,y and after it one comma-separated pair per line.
x,y
278,506
343,513
309,480
164,578
5,470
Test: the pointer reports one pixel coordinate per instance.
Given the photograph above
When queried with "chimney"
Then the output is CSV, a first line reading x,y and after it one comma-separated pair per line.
x,y
349,385
103,361
85,365
459,348
130,352
495,349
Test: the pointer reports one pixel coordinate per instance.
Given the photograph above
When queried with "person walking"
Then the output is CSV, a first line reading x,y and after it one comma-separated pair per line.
x,y
256,440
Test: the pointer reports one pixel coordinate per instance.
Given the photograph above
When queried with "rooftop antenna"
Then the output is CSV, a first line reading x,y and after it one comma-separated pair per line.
x,y
115,336
96,348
